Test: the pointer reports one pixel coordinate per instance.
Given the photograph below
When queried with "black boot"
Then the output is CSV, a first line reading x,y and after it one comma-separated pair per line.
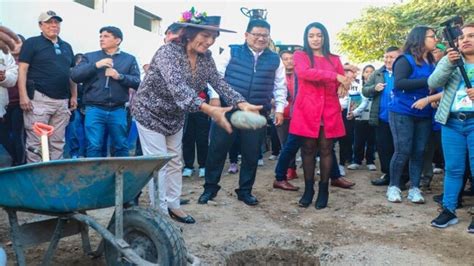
x,y
323,195
308,194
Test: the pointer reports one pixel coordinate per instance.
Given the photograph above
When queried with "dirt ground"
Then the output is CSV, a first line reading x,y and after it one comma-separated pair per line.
x,y
359,227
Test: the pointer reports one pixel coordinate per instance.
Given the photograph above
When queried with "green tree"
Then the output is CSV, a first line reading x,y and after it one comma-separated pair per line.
x,y
366,38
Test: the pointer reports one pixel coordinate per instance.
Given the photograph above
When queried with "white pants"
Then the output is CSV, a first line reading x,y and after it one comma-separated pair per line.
x,y
170,179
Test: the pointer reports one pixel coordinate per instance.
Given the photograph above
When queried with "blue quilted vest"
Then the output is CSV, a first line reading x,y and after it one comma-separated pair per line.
x,y
404,99
254,82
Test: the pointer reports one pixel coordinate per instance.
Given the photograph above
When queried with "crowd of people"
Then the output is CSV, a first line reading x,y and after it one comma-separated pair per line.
x,y
411,111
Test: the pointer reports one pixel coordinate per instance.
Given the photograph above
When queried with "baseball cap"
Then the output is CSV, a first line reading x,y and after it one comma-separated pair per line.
x,y
45,16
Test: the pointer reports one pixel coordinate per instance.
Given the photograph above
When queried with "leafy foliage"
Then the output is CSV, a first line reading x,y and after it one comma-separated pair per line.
x,y
366,38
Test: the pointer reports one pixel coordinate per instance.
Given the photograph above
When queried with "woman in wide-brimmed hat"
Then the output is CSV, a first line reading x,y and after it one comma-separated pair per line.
x,y
178,72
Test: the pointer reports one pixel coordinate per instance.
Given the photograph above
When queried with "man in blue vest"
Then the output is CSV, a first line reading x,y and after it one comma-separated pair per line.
x,y
258,74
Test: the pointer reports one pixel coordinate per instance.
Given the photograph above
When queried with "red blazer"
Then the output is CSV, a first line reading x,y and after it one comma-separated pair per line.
x,y
317,103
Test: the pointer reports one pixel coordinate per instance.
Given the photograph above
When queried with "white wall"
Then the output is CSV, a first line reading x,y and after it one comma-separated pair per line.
x,y
80,26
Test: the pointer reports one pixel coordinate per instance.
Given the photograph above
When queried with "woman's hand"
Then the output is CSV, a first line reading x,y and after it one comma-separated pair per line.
x,y
342,91
218,115
453,55
421,103
470,93
345,81
245,106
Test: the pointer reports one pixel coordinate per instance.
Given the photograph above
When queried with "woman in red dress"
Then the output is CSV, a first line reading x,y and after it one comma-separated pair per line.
x,y
317,112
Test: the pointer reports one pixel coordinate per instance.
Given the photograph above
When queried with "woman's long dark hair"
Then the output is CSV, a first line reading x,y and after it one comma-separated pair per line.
x,y
415,44
325,49
363,70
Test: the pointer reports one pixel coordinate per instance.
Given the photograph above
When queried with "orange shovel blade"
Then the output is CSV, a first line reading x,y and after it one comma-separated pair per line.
x,y
41,129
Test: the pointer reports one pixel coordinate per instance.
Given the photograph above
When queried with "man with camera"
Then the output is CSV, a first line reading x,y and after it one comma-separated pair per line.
x,y
456,114
107,75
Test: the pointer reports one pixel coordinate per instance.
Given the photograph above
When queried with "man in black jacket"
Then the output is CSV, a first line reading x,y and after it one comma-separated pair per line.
x,y
107,75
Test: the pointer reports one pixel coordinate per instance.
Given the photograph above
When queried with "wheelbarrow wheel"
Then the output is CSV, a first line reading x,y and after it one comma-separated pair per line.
x,y
153,237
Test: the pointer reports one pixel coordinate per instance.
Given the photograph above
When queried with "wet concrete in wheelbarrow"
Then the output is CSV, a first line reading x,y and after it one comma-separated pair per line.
x,y
359,227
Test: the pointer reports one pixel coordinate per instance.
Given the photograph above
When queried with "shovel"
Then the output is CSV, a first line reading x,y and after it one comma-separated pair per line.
x,y
44,131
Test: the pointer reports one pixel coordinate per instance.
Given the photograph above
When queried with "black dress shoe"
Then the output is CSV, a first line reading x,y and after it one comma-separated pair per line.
x,y
183,201
248,199
188,219
383,181
206,196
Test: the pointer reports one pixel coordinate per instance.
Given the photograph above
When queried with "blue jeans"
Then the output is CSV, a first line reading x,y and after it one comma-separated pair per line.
x,y
287,154
457,138
410,135
97,121
221,142
75,135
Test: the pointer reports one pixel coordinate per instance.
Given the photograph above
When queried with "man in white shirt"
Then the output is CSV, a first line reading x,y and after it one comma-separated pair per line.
x,y
258,74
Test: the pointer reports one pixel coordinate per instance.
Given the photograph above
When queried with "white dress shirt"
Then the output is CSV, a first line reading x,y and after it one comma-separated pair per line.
x,y
280,91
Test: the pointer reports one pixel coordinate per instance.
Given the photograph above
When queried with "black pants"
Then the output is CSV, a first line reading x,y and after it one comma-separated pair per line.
x,y
12,134
385,149
276,148
196,137
346,142
221,141
364,142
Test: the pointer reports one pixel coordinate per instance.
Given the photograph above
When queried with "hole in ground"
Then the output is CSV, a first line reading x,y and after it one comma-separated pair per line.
x,y
271,256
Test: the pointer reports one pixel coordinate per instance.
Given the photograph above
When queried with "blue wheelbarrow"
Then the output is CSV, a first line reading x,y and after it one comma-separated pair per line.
x,y
67,189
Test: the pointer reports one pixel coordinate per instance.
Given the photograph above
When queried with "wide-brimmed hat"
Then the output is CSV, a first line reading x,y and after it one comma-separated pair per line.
x,y
192,18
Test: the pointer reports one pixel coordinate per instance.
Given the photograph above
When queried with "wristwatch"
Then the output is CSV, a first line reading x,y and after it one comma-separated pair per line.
x,y
121,77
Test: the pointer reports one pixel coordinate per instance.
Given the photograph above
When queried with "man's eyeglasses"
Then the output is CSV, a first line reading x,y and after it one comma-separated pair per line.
x,y
57,49
260,35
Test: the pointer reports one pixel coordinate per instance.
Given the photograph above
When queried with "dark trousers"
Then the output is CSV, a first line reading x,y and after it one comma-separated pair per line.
x,y
335,173
221,141
364,142
276,147
384,142
235,149
346,142
283,132
12,134
410,135
196,137
287,155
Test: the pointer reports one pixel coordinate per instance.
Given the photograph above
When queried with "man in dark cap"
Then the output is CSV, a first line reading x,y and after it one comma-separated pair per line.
x,y
107,75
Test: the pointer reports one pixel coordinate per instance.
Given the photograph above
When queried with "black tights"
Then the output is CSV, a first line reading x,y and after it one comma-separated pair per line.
x,y
308,153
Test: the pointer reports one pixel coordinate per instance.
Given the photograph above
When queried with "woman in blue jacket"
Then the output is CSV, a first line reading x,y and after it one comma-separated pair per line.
x,y
411,126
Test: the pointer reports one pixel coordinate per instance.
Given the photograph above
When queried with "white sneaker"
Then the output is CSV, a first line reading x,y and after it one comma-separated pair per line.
x,y
273,157
354,166
437,171
394,194
187,172
299,159
260,162
342,171
202,172
372,167
414,195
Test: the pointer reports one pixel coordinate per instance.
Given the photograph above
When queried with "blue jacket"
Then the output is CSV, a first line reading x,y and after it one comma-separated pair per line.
x,y
256,84
94,79
404,99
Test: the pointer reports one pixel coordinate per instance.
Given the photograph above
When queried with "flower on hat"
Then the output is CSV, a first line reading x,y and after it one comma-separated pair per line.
x,y
192,16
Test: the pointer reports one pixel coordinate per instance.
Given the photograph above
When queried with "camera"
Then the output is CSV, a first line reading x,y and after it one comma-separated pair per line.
x,y
452,30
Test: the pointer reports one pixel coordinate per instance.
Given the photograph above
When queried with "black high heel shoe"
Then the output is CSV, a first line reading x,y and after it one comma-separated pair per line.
x,y
308,195
323,195
188,219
